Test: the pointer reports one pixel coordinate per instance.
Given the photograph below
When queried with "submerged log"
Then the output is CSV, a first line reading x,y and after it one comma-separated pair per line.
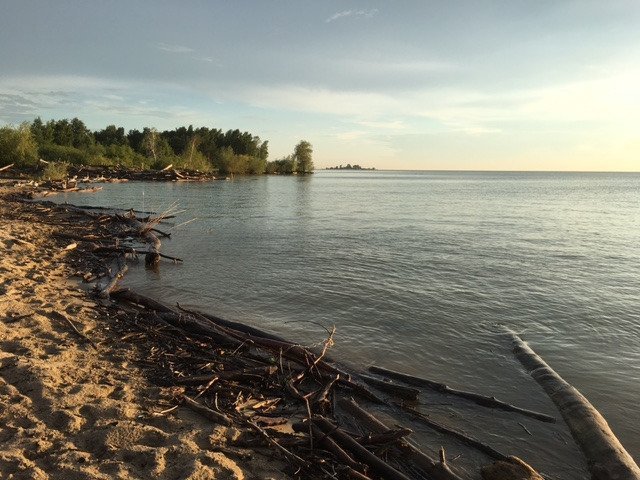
x,y
400,391
436,470
463,437
482,400
606,457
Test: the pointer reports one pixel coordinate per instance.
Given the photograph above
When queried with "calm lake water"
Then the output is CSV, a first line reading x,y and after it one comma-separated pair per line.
x,y
417,270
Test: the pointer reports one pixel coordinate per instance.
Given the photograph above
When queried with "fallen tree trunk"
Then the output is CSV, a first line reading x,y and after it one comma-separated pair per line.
x,y
606,457
483,400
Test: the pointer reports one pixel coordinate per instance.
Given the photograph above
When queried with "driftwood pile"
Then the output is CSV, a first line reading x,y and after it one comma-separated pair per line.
x,y
314,412
81,176
89,174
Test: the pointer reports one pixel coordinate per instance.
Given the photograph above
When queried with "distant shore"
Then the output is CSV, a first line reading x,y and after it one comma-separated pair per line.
x,y
349,167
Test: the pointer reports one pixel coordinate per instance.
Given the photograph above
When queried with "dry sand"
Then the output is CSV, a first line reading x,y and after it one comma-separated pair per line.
x,y
73,410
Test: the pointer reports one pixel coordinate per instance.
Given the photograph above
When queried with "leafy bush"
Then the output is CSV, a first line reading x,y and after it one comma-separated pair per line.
x,y
55,171
193,161
60,153
124,155
17,145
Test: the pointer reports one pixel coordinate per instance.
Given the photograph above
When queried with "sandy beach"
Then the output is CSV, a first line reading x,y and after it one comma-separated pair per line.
x,y
73,402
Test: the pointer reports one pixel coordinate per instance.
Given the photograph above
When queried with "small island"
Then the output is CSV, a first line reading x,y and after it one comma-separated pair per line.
x,y
348,166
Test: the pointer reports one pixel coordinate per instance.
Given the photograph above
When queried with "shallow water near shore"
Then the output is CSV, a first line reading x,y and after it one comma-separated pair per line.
x,y
417,271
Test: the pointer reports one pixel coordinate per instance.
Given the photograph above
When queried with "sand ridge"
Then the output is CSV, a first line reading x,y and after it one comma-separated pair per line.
x,y
73,404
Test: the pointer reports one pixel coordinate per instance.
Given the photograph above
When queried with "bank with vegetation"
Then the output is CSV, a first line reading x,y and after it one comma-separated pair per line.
x,y
204,149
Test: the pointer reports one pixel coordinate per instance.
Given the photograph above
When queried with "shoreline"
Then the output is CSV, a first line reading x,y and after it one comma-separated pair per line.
x,y
75,398
75,246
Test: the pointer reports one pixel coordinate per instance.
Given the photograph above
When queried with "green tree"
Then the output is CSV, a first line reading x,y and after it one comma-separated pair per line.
x,y
157,148
42,133
228,162
18,145
82,136
281,166
135,137
111,135
62,132
303,157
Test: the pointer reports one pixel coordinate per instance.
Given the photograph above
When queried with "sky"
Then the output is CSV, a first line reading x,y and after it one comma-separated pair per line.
x,y
470,85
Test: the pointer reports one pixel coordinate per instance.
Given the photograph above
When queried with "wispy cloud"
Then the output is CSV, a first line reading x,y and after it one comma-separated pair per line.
x,y
58,96
351,135
352,13
165,47
606,102
393,125
187,51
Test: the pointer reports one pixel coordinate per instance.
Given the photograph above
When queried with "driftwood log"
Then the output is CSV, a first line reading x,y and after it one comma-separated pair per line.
x,y
108,283
606,457
479,399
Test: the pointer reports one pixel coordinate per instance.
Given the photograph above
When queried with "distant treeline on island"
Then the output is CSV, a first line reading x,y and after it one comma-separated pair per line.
x,y
204,149
348,166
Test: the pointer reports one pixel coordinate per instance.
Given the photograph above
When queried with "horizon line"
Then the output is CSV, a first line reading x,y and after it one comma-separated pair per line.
x,y
457,170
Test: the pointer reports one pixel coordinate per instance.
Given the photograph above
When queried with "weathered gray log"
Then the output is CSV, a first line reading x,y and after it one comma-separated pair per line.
x,y
117,270
431,467
483,400
152,258
606,457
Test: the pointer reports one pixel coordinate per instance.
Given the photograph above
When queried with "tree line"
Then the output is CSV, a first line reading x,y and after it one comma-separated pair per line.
x,y
204,149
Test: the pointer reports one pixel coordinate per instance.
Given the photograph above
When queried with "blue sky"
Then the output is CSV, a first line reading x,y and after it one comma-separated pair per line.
x,y
510,85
